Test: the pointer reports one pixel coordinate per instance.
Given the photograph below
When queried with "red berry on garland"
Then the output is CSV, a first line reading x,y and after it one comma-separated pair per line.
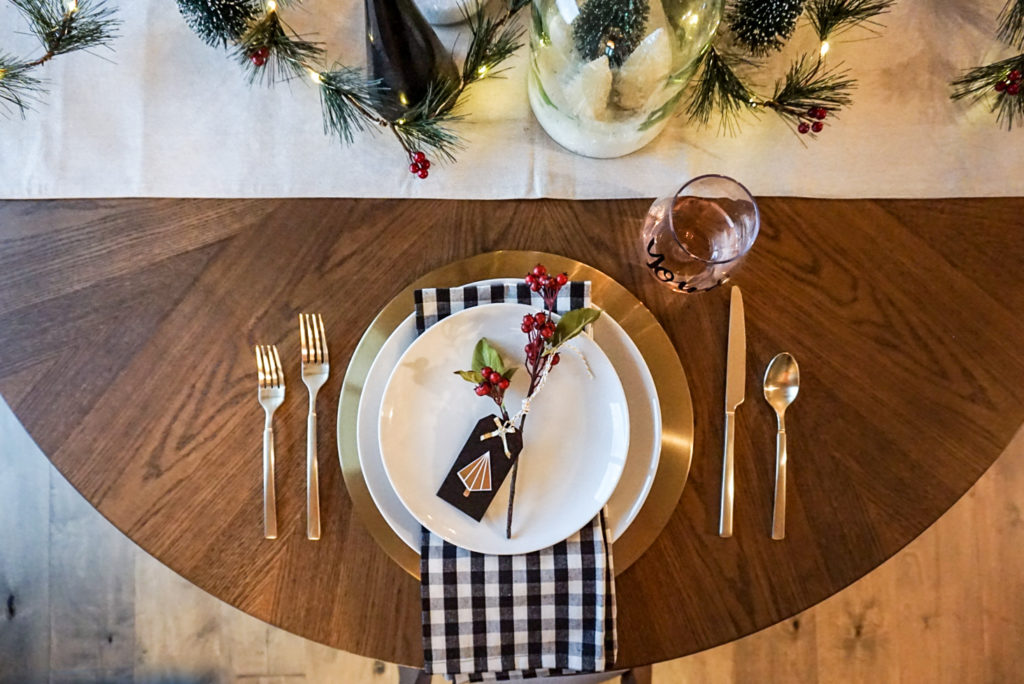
x,y
482,390
1013,89
486,372
555,359
539,270
540,318
535,286
259,56
1014,76
414,168
503,385
1001,86
817,126
528,320
526,328
530,279
495,378
803,127
546,333
419,157
423,173
562,279
821,113
425,164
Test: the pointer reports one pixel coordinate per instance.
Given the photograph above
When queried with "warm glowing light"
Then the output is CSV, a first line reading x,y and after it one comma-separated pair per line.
x,y
403,99
316,76
3,72
694,18
482,71
72,6
271,6
824,47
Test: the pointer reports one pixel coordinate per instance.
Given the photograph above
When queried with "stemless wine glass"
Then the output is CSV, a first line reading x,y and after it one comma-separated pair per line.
x,y
692,240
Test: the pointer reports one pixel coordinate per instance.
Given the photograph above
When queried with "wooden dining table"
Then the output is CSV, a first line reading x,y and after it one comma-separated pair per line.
x,y
126,334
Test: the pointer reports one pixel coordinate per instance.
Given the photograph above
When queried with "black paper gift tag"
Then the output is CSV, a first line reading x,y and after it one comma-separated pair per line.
x,y
480,469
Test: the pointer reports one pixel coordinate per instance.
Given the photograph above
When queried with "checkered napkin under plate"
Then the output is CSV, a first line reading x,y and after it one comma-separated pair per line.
x,y
493,618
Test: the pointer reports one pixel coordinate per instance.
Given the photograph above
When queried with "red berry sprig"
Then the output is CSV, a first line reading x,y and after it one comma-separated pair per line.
x,y
259,56
546,284
1011,85
493,385
419,165
539,327
813,122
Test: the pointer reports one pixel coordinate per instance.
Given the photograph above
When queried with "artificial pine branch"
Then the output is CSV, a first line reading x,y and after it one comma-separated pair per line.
x,y
982,81
1011,23
763,25
64,28
493,41
18,88
829,17
718,87
61,28
808,85
427,126
349,102
287,54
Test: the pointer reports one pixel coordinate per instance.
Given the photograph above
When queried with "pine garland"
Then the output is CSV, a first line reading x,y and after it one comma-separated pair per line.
x,y
810,91
1000,82
270,51
830,17
61,29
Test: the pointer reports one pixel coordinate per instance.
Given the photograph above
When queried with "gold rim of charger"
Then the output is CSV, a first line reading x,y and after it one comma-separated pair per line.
x,y
607,294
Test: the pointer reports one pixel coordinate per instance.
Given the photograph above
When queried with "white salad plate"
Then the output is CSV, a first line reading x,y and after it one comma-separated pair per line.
x,y
576,437
644,432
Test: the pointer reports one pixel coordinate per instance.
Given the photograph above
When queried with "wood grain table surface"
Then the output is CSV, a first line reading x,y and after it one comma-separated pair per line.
x,y
126,329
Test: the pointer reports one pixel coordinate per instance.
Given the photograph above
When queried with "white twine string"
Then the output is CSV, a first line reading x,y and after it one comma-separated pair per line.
x,y
503,431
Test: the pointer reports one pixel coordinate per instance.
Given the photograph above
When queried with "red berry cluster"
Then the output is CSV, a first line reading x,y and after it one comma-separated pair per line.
x,y
494,385
1011,84
547,284
816,113
419,164
540,328
259,56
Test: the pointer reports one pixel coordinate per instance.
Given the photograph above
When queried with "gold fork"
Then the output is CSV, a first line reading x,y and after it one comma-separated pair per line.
x,y
315,369
271,396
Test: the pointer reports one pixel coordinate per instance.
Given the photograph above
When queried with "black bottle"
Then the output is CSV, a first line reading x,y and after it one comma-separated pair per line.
x,y
403,51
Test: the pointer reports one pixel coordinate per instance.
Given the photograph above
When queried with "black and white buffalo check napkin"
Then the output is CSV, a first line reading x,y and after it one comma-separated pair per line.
x,y
494,618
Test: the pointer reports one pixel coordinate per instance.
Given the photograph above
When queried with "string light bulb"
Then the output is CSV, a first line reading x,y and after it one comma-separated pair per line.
x,y
482,71
271,6
72,6
316,76
825,47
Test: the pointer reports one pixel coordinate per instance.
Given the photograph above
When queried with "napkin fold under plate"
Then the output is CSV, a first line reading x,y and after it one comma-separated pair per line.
x,y
495,618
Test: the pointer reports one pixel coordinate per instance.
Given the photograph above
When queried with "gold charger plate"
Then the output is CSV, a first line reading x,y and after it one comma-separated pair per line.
x,y
607,294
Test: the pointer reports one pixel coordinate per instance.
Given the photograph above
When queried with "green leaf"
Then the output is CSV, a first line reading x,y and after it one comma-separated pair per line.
x,y
486,355
471,376
509,373
572,324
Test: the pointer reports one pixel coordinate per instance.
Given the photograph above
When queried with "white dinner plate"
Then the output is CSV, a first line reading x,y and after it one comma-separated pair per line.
x,y
576,438
644,432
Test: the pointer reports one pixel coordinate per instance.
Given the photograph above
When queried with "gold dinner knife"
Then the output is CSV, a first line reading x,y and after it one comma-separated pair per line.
x,y
735,381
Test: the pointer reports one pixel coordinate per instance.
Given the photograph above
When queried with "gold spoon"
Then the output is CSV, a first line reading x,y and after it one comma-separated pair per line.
x,y
781,384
